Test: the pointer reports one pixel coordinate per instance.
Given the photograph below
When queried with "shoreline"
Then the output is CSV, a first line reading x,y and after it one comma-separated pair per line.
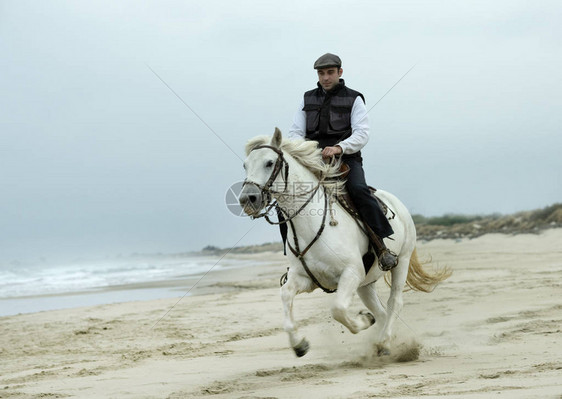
x,y
213,281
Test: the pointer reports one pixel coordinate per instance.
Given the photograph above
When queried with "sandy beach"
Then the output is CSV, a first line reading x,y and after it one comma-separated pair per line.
x,y
492,330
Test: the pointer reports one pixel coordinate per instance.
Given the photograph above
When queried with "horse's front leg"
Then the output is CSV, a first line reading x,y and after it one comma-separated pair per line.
x,y
368,295
347,285
295,284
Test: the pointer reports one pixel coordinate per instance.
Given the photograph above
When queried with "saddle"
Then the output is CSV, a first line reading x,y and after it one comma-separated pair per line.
x,y
347,203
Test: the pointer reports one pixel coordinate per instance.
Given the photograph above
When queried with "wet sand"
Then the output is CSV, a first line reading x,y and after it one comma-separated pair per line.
x,y
492,330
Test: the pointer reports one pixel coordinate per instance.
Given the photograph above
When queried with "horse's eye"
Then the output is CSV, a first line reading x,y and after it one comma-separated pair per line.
x,y
269,164
244,166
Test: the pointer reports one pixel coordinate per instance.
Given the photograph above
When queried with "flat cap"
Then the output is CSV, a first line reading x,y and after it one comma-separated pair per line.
x,y
327,60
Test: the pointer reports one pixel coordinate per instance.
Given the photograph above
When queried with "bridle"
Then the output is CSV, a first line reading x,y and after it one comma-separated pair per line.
x,y
266,191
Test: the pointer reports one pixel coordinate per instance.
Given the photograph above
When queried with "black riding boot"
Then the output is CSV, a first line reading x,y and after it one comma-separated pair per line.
x,y
387,259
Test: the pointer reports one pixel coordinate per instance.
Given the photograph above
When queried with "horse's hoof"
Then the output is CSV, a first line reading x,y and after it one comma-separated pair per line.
x,y
382,351
302,348
369,316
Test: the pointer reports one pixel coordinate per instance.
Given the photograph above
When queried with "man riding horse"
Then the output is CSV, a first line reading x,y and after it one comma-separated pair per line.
x,y
336,117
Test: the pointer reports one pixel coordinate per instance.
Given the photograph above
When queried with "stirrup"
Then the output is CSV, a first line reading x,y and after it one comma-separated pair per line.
x,y
388,260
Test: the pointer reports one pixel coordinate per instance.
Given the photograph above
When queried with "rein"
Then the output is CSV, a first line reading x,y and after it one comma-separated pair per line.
x,y
266,190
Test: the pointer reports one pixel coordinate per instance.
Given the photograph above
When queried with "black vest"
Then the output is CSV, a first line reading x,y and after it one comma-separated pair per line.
x,y
328,114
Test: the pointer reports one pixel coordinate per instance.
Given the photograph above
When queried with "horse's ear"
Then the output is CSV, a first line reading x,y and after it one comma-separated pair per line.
x,y
276,139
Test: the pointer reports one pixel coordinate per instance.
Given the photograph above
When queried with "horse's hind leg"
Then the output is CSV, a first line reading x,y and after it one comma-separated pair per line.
x,y
369,296
394,304
294,285
347,285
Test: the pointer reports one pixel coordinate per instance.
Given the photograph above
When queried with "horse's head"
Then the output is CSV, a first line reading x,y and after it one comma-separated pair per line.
x,y
265,167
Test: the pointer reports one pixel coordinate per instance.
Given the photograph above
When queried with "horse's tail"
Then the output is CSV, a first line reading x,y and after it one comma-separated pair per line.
x,y
421,280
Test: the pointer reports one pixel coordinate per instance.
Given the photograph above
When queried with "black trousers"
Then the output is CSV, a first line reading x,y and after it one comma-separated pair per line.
x,y
366,204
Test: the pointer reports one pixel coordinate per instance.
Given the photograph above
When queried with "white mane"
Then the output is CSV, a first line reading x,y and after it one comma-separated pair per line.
x,y
308,155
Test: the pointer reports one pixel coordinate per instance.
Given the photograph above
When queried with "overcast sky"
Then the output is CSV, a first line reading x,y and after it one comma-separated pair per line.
x,y
99,157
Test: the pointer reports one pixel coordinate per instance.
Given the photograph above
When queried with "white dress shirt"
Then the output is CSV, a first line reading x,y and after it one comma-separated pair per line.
x,y
359,127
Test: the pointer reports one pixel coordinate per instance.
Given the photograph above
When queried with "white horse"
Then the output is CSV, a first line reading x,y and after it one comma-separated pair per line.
x,y
323,255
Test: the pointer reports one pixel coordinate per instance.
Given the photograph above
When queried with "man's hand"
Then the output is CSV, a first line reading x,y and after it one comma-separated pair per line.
x,y
328,152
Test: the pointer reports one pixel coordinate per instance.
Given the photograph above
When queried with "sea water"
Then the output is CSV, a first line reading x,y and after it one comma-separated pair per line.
x,y
43,285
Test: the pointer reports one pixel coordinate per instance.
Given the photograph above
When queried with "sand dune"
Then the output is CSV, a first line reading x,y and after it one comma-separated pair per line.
x,y
492,330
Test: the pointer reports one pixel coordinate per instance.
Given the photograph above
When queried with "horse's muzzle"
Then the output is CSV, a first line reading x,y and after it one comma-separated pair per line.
x,y
251,199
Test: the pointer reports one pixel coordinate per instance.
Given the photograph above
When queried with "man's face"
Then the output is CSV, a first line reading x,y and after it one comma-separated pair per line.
x,y
329,77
